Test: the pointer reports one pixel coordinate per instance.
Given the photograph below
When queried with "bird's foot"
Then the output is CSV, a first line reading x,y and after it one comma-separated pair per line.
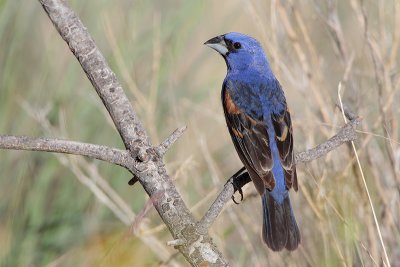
x,y
238,180
236,188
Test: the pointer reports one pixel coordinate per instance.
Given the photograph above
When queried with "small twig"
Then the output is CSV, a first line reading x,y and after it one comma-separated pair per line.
x,y
167,143
346,133
176,242
108,154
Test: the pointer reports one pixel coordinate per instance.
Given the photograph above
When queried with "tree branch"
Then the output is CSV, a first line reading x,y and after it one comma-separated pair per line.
x,y
104,153
147,166
346,134
167,143
103,79
215,209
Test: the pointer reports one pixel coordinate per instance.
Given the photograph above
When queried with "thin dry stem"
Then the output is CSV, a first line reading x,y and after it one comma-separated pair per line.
x,y
365,186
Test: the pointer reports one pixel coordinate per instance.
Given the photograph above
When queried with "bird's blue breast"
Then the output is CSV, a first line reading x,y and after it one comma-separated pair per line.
x,y
256,94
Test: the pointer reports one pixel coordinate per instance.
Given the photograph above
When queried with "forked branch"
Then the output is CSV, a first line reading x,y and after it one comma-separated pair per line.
x,y
147,164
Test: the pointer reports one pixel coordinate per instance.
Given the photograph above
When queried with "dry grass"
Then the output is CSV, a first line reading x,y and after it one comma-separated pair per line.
x,y
68,211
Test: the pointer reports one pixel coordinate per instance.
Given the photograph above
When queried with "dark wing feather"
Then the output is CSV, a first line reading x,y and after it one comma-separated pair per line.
x,y
284,140
251,141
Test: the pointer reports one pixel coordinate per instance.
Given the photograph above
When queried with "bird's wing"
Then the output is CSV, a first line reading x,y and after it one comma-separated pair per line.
x,y
251,141
284,141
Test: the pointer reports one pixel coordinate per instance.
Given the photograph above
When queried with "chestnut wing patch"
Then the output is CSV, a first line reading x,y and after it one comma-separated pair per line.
x,y
230,107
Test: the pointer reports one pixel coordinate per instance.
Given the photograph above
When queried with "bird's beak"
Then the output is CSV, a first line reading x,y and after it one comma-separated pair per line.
x,y
218,44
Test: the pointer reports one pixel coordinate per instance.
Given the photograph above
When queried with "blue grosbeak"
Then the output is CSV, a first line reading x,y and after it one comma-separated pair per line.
x,y
259,123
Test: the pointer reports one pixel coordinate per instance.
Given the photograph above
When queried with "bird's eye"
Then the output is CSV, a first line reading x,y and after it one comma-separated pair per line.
x,y
237,45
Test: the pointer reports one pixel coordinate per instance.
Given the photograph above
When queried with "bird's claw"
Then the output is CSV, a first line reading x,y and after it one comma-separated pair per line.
x,y
237,182
236,188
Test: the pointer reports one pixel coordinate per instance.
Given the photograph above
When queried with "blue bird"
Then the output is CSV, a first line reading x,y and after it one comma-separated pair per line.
x,y
259,123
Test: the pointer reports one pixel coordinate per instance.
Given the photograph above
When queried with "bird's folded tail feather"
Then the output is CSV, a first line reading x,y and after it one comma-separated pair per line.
x,y
280,229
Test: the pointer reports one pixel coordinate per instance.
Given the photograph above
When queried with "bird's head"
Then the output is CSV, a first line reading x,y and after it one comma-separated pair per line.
x,y
240,51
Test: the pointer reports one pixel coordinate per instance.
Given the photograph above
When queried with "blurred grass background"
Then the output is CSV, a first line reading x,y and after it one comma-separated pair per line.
x,y
59,210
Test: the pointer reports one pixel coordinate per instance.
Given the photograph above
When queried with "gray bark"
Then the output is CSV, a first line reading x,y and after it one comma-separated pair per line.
x,y
147,166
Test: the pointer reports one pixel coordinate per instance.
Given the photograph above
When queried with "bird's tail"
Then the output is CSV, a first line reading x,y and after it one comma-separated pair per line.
x,y
279,225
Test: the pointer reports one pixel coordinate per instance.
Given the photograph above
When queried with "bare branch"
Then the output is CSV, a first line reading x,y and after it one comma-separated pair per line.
x,y
148,166
167,143
97,70
346,133
104,153
216,208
